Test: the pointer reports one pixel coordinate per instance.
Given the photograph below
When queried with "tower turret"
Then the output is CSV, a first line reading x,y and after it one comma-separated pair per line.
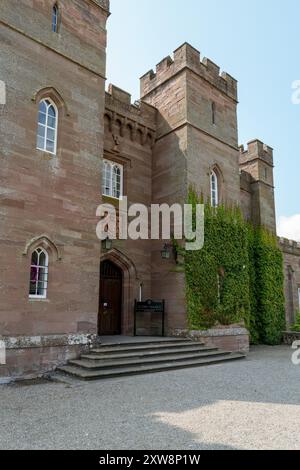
x,y
257,160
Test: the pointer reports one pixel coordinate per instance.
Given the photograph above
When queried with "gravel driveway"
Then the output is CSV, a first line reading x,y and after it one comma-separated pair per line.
x,y
252,404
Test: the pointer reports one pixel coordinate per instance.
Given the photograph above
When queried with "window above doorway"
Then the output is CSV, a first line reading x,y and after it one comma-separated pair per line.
x,y
112,179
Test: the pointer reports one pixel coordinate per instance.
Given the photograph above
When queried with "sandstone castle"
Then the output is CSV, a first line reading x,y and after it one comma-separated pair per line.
x,y
66,144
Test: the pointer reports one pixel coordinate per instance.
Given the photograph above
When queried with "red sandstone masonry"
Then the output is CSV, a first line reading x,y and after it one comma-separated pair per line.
x,y
130,131
257,161
166,142
187,56
42,194
291,255
188,146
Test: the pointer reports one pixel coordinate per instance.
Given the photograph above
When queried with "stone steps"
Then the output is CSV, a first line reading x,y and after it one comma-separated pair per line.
x,y
133,347
99,364
123,359
145,341
147,353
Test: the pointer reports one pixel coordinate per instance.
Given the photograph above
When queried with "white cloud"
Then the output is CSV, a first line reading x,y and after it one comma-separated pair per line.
x,y
289,227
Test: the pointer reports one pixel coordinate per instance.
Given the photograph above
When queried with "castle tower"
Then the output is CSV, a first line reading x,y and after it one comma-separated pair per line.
x,y
257,161
53,61
196,135
197,126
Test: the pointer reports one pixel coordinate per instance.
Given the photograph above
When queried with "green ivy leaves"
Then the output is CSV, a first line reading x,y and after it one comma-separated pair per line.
x,y
236,278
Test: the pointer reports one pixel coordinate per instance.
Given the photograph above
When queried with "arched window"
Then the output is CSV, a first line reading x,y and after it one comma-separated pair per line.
x,y
47,126
214,189
39,274
55,13
112,179
213,112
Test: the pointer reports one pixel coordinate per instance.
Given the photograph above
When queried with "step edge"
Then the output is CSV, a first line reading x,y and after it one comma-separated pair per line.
x,y
119,365
66,369
132,343
119,348
95,356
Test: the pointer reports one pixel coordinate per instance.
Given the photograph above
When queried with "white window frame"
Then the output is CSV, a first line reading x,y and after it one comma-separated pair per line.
x,y
299,298
40,250
214,193
112,165
44,149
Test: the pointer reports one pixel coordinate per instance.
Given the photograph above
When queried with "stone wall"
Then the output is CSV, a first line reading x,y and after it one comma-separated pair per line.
x,y
184,127
29,357
258,185
45,198
189,145
258,206
291,255
130,131
231,338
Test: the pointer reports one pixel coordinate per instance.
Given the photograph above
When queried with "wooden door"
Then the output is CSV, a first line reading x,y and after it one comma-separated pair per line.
x,y
110,308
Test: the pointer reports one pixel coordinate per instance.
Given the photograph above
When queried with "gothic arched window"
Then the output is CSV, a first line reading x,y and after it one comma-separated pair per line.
x,y
214,189
55,13
47,126
39,274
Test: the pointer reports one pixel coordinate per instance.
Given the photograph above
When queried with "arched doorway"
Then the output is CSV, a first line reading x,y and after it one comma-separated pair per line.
x,y
110,305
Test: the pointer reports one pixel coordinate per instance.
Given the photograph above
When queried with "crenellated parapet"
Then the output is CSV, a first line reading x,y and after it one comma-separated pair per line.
x,y
256,150
187,57
257,160
105,4
123,118
289,246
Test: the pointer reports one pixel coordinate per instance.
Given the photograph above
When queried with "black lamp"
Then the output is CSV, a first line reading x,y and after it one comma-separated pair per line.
x,y
107,244
166,252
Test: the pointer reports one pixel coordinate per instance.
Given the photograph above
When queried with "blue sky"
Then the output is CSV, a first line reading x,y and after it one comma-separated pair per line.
x,y
255,41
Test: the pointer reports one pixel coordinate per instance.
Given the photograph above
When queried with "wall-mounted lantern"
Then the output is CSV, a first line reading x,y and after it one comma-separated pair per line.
x,y
107,244
166,251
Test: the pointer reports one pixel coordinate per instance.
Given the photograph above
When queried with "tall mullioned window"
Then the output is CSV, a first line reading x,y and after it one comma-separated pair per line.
x,y
214,191
39,274
112,179
47,126
55,13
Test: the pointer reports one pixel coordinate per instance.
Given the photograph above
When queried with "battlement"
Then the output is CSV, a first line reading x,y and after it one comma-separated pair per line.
x,y
256,150
105,4
187,56
289,246
120,95
120,102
